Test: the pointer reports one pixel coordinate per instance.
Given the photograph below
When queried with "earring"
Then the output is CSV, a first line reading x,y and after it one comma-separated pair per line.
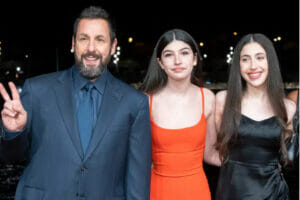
x,y
72,50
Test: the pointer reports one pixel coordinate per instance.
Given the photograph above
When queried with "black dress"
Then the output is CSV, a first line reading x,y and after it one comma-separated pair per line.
x,y
252,172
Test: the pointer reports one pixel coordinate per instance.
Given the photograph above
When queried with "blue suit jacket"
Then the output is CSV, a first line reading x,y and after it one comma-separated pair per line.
x,y
118,159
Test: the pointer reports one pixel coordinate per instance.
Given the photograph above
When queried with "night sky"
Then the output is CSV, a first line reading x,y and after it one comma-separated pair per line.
x,y
44,30
50,21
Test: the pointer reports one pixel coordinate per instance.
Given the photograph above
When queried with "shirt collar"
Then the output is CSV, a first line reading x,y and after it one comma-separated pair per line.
x,y
79,81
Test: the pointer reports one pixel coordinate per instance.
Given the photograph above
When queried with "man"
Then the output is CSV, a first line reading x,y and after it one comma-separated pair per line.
x,y
85,133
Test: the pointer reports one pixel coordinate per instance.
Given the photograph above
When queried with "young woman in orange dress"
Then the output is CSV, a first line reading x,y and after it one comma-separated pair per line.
x,y
182,119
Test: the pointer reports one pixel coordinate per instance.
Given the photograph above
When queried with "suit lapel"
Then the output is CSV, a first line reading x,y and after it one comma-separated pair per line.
x,y
66,104
109,107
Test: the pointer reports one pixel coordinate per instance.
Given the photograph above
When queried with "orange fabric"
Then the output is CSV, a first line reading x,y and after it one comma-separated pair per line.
x,y
178,161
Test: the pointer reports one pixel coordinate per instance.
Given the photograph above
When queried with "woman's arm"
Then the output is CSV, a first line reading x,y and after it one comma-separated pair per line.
x,y
211,155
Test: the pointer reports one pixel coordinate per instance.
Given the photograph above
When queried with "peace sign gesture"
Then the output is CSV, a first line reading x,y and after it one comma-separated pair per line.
x,y
14,117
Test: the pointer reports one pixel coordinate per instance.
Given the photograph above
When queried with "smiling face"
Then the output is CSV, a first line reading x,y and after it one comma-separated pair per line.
x,y
254,65
93,48
177,60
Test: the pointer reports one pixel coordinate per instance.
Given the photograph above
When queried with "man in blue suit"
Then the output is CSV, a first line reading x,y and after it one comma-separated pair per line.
x,y
86,135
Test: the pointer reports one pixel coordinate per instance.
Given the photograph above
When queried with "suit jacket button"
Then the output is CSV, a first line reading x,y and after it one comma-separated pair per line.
x,y
83,168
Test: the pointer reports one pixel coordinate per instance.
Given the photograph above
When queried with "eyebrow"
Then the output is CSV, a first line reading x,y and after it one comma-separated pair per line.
x,y
184,48
86,35
257,54
83,34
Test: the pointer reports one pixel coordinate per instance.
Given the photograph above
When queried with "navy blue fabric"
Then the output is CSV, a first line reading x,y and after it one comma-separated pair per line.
x,y
85,115
117,162
79,82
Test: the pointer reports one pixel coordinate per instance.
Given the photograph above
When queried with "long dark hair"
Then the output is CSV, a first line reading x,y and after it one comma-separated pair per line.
x,y
156,78
235,88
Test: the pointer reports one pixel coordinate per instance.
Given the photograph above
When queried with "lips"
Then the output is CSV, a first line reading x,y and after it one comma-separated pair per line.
x,y
91,59
254,75
90,62
178,69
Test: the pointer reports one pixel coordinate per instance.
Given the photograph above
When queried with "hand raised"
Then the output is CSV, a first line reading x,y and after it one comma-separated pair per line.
x,y
14,117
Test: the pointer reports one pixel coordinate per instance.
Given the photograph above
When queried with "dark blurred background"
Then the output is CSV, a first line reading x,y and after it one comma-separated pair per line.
x,y
35,38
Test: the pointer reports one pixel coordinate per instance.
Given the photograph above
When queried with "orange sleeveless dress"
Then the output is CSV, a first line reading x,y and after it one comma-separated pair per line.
x,y
177,156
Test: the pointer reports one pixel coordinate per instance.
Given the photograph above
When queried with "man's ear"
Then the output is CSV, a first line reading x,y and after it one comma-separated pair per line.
x,y
114,46
73,45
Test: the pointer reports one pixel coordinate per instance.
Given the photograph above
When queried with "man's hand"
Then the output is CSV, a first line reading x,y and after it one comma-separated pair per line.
x,y
14,117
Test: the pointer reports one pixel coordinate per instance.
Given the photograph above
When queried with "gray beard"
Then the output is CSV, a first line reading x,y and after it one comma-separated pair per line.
x,y
90,73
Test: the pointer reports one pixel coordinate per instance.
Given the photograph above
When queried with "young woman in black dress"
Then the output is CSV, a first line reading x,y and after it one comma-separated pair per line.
x,y
253,119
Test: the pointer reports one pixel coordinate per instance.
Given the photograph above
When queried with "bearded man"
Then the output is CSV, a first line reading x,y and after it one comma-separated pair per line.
x,y
85,134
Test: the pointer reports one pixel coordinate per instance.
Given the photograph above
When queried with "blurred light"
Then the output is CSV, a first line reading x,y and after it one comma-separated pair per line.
x,y
278,38
275,39
201,44
0,42
229,55
235,33
130,39
117,54
19,88
19,70
26,55
205,55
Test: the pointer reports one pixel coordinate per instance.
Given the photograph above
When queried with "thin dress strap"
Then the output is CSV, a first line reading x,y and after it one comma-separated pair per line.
x,y
202,94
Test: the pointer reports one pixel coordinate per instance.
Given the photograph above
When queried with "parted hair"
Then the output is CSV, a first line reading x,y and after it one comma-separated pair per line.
x,y
236,87
156,78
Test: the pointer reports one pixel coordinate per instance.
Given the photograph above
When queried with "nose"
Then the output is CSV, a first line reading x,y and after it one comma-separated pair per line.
x,y
91,46
177,59
253,64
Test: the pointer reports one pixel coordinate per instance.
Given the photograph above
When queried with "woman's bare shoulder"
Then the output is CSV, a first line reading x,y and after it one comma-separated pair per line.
x,y
221,96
